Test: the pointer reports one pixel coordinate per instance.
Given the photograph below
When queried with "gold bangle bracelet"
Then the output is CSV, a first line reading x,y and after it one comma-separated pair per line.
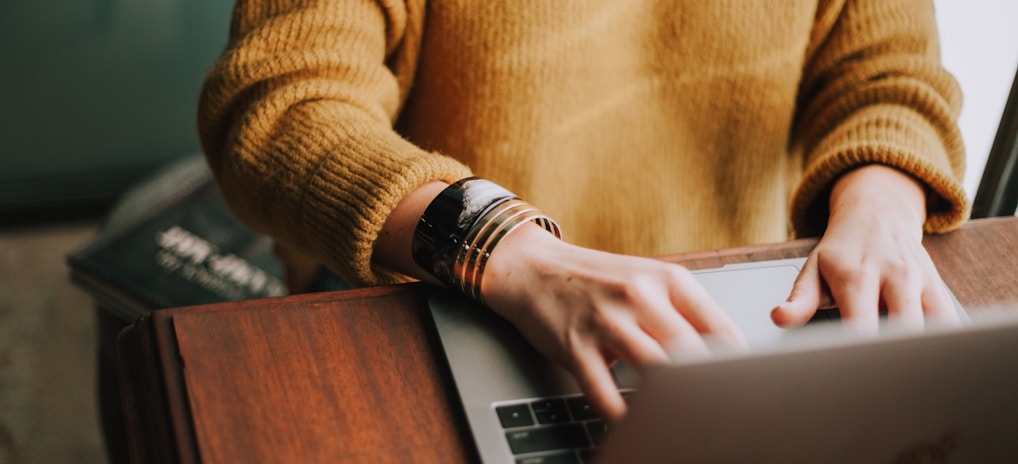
x,y
531,216
475,238
487,238
473,258
459,229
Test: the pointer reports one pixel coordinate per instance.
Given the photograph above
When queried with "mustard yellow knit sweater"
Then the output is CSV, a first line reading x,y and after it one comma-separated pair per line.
x,y
643,127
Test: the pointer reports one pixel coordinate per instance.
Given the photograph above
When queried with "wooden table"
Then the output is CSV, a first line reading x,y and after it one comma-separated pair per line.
x,y
357,375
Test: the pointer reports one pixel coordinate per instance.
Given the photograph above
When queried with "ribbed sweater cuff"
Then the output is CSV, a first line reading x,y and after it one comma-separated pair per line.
x,y
351,192
890,135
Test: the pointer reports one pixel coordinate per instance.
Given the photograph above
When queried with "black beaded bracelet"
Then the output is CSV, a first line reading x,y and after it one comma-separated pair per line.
x,y
458,230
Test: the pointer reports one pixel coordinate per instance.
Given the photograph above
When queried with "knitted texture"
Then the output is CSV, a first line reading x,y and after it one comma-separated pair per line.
x,y
643,126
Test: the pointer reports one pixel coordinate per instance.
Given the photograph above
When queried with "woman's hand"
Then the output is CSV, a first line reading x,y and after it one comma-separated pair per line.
x,y
871,258
586,309
583,308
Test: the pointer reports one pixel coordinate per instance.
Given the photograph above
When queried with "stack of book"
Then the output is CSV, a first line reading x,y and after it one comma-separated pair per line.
x,y
184,247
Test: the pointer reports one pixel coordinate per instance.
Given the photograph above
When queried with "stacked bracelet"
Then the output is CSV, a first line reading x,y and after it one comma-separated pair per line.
x,y
461,227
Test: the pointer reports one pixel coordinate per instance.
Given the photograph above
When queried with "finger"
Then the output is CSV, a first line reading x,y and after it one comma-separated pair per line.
x,y
598,385
670,330
902,296
654,312
858,298
691,303
805,297
635,346
687,344
938,306
658,329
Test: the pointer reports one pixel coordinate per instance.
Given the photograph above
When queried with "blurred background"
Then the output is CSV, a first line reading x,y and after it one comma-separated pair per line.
x,y
96,94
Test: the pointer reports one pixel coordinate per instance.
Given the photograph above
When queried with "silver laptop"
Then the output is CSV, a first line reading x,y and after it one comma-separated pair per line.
x,y
814,394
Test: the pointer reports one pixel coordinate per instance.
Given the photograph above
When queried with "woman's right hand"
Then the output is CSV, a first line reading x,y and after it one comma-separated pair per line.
x,y
586,308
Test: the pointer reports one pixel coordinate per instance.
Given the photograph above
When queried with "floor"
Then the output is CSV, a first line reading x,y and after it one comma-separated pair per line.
x,y
48,410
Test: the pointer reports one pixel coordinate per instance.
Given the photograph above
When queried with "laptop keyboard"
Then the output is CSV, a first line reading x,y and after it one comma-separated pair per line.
x,y
555,430
564,429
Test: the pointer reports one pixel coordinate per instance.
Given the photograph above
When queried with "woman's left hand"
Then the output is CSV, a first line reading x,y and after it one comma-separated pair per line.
x,y
871,258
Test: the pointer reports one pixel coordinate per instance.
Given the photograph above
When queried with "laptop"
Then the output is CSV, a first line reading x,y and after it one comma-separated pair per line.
x,y
813,394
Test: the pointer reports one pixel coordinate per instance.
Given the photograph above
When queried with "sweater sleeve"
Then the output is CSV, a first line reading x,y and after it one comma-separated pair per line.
x,y
874,91
296,119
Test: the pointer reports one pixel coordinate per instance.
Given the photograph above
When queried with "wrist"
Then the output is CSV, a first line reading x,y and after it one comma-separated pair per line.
x,y
879,190
392,246
458,231
529,259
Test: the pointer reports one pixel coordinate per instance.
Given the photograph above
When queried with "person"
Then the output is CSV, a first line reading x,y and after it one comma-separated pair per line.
x,y
398,140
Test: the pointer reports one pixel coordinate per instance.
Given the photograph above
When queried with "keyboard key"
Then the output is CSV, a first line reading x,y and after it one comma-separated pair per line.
x,y
517,415
559,437
588,456
581,408
558,458
598,431
550,411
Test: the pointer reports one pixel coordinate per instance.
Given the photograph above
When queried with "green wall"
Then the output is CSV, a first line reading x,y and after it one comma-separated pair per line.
x,y
96,93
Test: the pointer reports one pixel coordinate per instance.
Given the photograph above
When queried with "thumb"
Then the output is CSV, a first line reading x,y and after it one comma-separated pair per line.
x,y
804,299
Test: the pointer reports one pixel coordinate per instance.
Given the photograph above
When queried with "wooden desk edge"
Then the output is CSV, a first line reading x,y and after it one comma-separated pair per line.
x,y
154,398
